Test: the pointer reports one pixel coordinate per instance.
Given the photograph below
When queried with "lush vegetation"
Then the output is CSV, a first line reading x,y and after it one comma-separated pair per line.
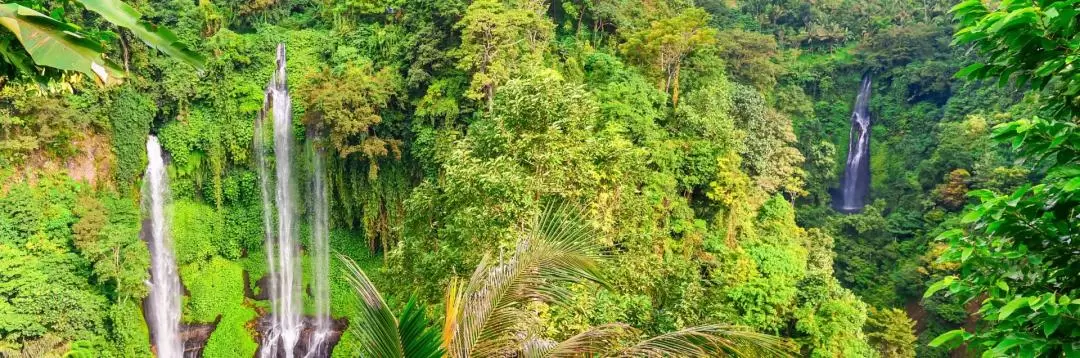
x,y
702,141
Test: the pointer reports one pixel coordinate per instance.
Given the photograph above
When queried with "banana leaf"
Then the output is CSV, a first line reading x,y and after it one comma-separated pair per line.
x,y
55,44
159,37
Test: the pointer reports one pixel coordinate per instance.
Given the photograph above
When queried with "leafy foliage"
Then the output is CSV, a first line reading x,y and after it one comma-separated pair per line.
x,y
1013,251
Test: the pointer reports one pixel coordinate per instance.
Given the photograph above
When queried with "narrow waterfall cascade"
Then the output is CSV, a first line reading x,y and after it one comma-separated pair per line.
x,y
855,184
320,255
165,291
282,246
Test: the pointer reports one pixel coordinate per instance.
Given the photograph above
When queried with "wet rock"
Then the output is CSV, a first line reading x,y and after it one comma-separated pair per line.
x,y
306,346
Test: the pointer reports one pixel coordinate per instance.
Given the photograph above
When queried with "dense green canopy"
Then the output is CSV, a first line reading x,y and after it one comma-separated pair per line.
x,y
701,140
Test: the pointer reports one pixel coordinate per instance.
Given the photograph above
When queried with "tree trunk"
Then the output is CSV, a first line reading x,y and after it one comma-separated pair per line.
x,y
675,85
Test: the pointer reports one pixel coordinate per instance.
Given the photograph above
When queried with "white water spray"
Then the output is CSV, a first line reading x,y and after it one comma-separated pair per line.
x,y
320,250
164,303
855,184
282,253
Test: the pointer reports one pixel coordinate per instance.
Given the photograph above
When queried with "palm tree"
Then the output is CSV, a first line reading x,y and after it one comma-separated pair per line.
x,y
486,315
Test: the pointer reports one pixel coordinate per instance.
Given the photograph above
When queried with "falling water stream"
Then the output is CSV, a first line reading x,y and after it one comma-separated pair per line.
x,y
282,249
164,301
320,253
854,186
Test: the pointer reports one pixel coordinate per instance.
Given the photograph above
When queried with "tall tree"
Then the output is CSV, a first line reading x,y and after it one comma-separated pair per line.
x,y
667,42
497,38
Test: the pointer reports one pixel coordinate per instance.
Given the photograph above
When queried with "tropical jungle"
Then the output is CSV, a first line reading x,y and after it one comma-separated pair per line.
x,y
539,178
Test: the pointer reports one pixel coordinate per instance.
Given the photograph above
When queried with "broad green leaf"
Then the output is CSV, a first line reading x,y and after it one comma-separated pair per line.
x,y
967,6
947,337
938,286
967,254
1006,344
55,44
1072,185
1016,18
967,71
1003,286
981,194
123,15
1050,325
1012,306
971,216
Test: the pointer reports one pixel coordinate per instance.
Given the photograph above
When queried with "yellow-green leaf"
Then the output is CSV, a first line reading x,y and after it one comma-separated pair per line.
x,y
947,337
1012,306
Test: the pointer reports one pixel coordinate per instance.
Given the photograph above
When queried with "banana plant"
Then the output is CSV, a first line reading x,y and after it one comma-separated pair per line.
x,y
56,44
486,314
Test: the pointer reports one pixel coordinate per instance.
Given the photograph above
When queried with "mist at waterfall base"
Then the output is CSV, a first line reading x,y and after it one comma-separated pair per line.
x,y
288,333
163,304
855,183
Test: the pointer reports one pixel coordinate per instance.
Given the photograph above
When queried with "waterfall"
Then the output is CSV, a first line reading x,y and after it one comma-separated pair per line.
x,y
320,250
282,251
164,302
854,186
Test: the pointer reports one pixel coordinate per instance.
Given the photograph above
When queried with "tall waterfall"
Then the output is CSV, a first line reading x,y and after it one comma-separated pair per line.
x,y
164,302
854,186
282,251
320,252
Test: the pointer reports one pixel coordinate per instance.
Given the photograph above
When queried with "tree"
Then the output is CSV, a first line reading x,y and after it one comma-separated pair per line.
x,y
750,57
346,104
53,43
496,38
488,316
1016,252
891,332
667,42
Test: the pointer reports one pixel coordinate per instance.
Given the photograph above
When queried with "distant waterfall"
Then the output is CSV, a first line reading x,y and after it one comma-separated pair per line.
x,y
320,254
854,186
164,302
282,254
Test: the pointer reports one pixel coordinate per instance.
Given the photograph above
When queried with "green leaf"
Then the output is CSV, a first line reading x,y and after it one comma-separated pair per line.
x,y
58,45
1012,306
967,71
418,338
971,216
159,37
947,337
967,254
1015,18
1071,185
1050,325
1002,285
1005,344
967,6
938,286
982,194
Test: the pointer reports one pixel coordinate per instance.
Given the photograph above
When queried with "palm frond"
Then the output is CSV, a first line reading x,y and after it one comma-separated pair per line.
x,y
555,249
710,341
377,329
418,338
595,340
